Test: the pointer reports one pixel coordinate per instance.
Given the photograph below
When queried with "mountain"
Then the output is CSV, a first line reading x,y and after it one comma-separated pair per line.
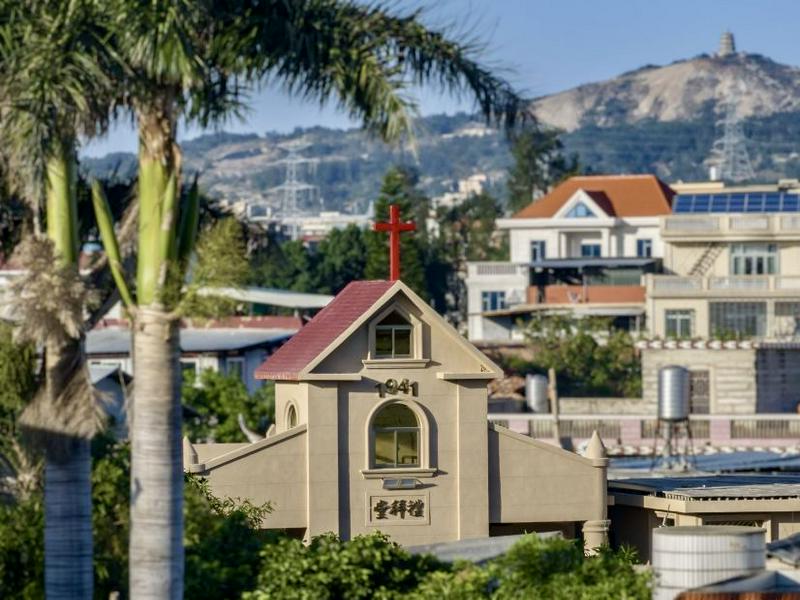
x,y
681,91
347,166
663,120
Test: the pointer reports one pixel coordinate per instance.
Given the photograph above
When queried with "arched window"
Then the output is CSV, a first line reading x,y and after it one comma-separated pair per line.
x,y
395,438
393,337
291,417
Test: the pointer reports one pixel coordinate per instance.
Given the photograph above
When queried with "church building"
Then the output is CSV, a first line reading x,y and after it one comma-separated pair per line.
x,y
381,424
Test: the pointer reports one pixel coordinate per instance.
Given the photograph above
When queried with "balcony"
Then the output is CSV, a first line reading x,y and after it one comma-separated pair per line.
x,y
674,286
588,294
709,228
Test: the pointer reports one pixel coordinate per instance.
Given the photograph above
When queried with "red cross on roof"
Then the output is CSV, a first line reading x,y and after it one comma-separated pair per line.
x,y
394,226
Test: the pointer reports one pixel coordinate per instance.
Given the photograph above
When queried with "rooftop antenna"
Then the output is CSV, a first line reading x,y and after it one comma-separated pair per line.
x,y
729,158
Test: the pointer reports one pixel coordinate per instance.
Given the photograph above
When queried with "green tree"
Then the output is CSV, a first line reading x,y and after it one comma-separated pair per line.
x,y
186,60
467,232
342,258
218,401
18,382
399,187
538,164
368,566
589,356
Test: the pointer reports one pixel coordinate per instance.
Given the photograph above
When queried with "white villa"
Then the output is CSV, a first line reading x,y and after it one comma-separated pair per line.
x,y
584,248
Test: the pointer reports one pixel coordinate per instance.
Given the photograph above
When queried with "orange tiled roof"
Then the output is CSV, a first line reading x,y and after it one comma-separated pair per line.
x,y
618,195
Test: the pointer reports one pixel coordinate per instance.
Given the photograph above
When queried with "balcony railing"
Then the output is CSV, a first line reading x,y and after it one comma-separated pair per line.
x,y
780,430
711,226
675,285
496,269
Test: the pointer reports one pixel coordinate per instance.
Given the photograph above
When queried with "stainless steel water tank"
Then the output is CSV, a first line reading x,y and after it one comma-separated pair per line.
x,y
690,557
673,393
536,393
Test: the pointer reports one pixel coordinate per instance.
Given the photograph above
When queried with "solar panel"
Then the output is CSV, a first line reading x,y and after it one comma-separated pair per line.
x,y
756,202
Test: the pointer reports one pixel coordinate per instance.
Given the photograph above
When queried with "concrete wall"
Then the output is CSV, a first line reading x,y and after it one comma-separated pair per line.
x,y
532,481
273,470
732,376
606,406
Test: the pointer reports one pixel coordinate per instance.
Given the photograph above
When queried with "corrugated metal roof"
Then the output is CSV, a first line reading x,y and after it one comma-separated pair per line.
x,y
722,462
477,551
714,487
271,297
118,341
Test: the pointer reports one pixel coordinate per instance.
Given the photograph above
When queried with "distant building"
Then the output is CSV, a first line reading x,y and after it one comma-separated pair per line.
x,y
581,249
727,45
235,346
642,504
728,304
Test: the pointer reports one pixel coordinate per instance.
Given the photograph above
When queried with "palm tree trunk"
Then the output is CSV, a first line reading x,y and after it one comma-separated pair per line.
x,y
156,544
68,571
67,480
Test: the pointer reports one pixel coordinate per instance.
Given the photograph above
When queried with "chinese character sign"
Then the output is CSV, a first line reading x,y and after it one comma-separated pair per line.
x,y
396,510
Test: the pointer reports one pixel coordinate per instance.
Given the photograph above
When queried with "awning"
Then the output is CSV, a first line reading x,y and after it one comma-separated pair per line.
x,y
621,309
592,263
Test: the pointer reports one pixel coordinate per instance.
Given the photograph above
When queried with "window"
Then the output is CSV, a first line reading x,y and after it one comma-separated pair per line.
x,y
679,323
395,432
579,211
644,248
538,250
291,417
493,300
235,367
393,337
738,319
590,250
754,259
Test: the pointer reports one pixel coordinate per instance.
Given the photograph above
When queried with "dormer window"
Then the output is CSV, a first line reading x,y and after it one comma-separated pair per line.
x,y
579,211
393,337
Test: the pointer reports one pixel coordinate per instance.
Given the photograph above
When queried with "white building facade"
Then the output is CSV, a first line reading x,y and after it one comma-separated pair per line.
x,y
583,247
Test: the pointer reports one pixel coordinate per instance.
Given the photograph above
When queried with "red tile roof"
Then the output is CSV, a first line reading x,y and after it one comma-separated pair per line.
x,y
352,302
618,195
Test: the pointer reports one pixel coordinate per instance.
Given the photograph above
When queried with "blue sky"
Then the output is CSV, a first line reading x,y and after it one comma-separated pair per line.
x,y
550,45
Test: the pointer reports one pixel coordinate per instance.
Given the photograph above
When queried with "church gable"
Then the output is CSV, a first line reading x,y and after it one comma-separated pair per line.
x,y
403,332
375,324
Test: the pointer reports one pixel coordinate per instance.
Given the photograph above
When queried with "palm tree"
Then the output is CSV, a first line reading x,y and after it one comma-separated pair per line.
x,y
55,87
190,60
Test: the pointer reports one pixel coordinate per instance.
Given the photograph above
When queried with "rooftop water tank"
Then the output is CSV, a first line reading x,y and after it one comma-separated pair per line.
x,y
690,557
536,393
673,393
